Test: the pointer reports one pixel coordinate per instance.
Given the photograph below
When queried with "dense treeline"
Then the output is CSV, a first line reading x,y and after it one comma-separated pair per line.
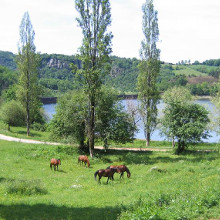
x,y
57,76
7,78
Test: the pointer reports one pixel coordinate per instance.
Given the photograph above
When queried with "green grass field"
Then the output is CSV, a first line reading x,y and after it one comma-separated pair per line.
x,y
162,185
21,132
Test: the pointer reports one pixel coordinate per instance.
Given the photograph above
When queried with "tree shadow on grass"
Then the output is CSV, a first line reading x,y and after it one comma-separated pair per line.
x,y
125,156
32,134
2,179
145,157
52,212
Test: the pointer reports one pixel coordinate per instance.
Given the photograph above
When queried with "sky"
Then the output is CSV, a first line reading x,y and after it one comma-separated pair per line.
x,y
189,29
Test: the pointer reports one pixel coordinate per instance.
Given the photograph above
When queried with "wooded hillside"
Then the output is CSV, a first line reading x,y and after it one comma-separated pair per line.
x,y
56,74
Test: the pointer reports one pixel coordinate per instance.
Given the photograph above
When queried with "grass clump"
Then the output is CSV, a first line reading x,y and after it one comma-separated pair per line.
x,y
175,205
26,187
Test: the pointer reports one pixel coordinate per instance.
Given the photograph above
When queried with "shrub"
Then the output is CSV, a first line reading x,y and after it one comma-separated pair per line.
x,y
12,113
26,187
38,127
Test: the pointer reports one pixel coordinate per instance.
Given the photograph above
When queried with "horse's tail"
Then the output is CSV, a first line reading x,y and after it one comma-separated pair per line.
x,y
96,173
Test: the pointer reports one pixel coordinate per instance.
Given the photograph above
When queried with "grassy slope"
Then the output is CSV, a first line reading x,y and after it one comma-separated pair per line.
x,y
21,132
188,71
74,194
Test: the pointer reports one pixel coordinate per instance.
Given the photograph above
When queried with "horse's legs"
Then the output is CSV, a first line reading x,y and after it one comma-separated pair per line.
x,y
107,179
122,175
99,179
57,167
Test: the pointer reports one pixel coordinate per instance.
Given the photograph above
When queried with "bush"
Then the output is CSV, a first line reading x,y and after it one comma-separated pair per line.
x,y
12,114
26,187
38,127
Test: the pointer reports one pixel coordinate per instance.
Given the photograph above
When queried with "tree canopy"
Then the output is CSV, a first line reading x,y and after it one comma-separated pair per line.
x,y
183,121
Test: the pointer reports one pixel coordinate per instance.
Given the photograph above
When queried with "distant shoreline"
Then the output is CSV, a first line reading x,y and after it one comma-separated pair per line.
x,y
203,97
53,100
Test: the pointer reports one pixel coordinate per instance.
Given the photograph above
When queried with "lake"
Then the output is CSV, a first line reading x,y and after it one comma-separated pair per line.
x,y
50,110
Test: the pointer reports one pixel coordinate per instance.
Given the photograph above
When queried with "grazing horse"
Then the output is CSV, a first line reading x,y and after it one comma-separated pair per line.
x,y
106,173
83,159
55,162
122,169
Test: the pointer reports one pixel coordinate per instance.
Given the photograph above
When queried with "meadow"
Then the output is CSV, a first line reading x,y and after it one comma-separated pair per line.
x,y
162,185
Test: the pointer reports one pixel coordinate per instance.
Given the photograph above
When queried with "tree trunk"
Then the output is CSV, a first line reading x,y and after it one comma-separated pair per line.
x,y
173,142
91,129
148,139
28,120
180,147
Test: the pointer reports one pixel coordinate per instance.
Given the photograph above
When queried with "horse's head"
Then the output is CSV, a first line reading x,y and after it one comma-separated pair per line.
x,y
59,161
128,172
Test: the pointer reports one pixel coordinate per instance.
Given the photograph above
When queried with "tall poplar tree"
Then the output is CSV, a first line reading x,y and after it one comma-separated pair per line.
x,y
149,68
94,19
28,62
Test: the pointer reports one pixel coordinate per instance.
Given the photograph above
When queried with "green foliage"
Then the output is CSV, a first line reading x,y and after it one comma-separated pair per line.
x,y
28,62
12,113
148,95
94,19
212,62
203,89
183,121
177,95
57,75
7,59
216,101
10,93
149,69
69,120
7,78
113,123
123,75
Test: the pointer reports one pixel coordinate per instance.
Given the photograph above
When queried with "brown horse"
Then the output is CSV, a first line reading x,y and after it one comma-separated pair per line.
x,y
106,173
83,159
122,169
55,162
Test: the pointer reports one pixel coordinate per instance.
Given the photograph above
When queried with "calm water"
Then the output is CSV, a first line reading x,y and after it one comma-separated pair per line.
x,y
50,110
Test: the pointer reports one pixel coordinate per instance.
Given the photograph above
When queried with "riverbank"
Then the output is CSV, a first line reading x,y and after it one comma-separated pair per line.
x,y
53,100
